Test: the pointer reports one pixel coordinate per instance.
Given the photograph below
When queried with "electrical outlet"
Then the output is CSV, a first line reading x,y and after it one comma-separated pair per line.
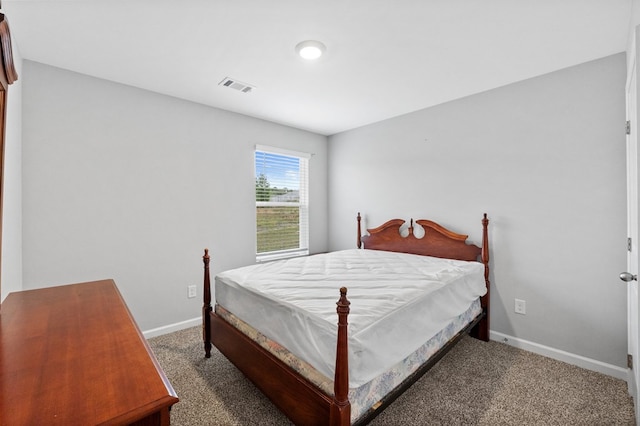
x,y
521,307
191,291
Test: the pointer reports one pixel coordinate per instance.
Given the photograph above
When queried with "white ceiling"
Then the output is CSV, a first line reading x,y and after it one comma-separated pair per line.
x,y
384,58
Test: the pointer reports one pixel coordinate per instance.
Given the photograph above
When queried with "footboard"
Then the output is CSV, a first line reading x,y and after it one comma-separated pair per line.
x,y
295,396
302,402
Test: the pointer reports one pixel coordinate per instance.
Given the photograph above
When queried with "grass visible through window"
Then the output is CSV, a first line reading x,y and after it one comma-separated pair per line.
x,y
278,228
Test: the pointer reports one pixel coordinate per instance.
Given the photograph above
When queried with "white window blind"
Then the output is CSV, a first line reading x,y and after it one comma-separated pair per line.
x,y
282,203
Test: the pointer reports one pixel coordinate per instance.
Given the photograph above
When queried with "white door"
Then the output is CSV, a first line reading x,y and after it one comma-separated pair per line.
x,y
632,227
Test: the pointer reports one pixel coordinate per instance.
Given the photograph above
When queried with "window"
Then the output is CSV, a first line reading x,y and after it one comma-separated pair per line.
x,y
282,203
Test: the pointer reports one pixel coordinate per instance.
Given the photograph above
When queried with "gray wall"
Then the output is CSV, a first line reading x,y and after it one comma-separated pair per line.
x,y
545,158
131,185
127,184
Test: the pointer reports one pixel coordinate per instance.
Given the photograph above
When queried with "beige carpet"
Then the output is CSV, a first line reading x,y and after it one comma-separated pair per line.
x,y
477,383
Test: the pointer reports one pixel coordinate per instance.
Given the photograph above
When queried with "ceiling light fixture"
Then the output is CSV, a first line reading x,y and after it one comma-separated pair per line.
x,y
310,49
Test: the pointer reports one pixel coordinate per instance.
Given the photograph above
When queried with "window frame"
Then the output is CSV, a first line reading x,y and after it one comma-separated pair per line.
x,y
302,204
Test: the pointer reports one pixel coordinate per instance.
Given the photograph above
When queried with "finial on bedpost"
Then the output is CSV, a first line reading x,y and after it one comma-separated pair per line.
x,y
206,259
359,232
343,305
340,413
206,306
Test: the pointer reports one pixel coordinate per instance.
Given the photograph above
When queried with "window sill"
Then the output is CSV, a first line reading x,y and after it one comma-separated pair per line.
x,y
268,257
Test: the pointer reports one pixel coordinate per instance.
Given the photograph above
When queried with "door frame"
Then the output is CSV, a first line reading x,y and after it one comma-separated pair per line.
x,y
633,254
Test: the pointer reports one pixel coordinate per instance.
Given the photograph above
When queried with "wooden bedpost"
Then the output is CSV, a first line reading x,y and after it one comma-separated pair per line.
x,y
481,331
340,414
359,232
206,307
484,335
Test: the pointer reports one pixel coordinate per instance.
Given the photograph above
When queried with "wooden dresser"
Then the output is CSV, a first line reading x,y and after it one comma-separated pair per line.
x,y
73,355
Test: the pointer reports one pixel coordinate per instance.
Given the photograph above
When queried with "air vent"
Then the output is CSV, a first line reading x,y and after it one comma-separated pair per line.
x,y
237,85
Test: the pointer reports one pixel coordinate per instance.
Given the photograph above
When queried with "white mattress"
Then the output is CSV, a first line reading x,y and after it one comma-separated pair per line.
x,y
398,302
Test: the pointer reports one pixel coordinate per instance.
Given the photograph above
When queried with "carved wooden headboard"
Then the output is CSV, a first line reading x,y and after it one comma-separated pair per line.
x,y
437,241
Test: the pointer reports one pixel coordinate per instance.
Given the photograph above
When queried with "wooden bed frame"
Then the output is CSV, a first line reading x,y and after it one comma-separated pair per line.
x,y
297,398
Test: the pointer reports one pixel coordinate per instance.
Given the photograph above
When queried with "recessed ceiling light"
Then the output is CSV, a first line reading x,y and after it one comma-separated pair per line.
x,y
310,49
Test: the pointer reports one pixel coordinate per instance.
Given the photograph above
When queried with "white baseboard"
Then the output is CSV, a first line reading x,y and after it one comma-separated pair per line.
x,y
172,327
569,358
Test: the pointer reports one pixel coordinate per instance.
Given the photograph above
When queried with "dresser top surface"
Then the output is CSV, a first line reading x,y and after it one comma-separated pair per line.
x,y
72,354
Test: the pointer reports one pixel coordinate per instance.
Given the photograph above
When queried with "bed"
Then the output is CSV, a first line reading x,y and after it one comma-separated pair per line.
x,y
407,299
